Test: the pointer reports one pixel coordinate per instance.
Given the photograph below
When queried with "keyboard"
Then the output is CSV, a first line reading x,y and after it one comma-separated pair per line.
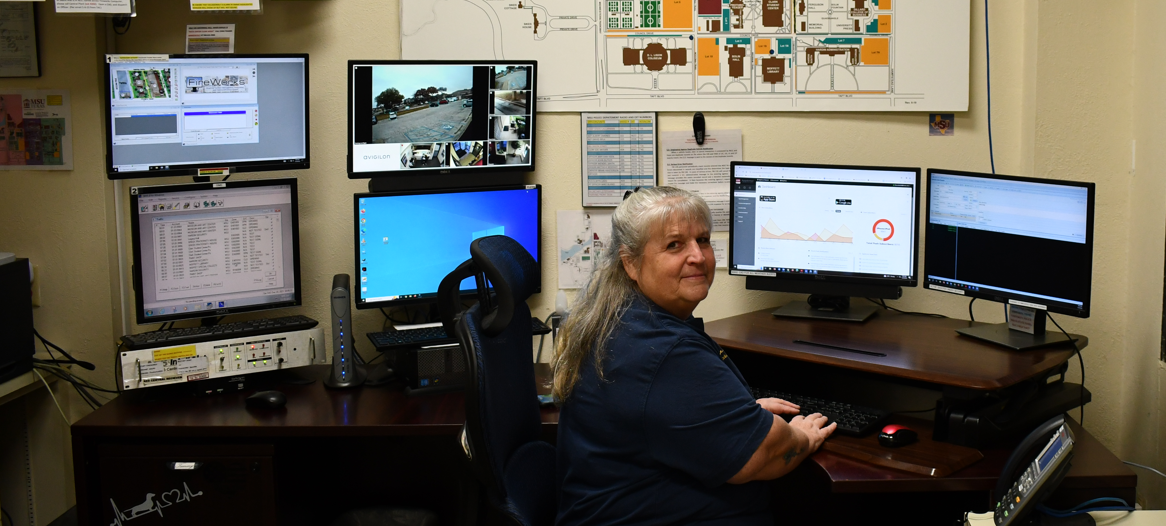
x,y
426,334
853,420
222,331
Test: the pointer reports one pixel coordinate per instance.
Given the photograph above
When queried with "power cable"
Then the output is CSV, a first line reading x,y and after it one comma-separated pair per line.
x,y
1077,351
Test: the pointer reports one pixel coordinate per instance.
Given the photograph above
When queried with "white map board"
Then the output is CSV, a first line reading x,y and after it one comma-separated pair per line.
x,y
712,55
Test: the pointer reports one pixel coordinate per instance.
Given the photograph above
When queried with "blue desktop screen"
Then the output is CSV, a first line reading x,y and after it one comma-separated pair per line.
x,y
406,244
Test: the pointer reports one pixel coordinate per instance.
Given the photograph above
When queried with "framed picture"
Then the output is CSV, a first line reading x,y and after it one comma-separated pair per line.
x,y
19,56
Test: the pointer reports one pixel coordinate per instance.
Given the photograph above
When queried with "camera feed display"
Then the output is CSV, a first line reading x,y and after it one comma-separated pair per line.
x,y
440,116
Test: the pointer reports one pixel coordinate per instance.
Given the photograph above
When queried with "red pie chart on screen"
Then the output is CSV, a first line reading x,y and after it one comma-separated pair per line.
x,y
883,229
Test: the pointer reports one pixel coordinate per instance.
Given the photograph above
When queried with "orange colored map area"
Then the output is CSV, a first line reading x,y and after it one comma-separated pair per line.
x,y
876,51
708,57
842,235
677,14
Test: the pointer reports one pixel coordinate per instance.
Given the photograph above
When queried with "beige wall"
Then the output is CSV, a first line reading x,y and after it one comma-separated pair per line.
x,y
1067,100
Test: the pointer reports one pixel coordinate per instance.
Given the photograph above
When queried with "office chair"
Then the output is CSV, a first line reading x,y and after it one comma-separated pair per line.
x,y
501,433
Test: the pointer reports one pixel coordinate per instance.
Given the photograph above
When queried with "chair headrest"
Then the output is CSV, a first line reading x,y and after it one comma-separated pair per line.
x,y
507,266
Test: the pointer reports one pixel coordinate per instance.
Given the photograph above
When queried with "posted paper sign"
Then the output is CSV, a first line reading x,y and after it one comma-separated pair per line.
x,y
619,154
123,7
582,238
703,169
36,125
210,38
250,5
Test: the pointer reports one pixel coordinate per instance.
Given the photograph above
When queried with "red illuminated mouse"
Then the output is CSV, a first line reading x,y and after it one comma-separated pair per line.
x,y
896,435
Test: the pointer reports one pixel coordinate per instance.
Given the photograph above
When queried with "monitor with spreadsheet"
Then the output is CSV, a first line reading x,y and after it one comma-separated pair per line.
x,y
1016,240
179,114
406,242
440,117
211,249
829,231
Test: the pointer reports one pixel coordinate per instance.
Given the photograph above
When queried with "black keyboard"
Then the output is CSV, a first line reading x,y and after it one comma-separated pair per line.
x,y
853,420
222,331
425,336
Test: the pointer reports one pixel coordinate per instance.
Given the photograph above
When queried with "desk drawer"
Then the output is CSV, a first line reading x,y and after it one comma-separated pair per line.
x,y
177,485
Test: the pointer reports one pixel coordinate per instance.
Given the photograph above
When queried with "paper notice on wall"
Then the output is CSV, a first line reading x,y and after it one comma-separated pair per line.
x,y
210,38
245,5
619,154
123,7
721,251
18,56
702,169
36,126
582,238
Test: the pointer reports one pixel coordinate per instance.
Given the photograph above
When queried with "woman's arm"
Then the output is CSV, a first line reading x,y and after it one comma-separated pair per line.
x,y
786,445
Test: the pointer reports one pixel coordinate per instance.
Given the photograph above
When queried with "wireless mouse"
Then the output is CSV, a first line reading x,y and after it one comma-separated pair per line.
x,y
266,400
897,436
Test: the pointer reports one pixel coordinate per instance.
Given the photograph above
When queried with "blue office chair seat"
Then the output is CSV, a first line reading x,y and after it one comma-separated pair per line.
x,y
501,434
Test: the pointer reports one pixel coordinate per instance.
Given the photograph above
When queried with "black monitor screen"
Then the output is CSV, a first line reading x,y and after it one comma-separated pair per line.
x,y
416,117
174,115
1010,239
210,249
824,223
406,243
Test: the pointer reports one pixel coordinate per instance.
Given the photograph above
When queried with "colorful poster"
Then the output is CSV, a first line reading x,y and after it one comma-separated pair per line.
x,y
34,130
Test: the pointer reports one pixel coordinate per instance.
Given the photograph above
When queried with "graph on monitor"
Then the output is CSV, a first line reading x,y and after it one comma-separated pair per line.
x,y
840,235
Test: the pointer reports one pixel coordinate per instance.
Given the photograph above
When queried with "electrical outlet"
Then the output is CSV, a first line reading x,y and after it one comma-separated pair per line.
x,y
36,285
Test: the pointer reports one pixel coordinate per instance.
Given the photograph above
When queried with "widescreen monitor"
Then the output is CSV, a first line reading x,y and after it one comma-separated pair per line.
x,y
1016,240
406,242
829,231
440,117
212,249
179,114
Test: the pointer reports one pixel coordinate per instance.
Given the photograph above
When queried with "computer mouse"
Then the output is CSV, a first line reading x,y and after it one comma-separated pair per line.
x,y
267,400
896,435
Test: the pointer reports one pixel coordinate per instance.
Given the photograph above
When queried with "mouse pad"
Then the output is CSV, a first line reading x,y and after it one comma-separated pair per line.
x,y
925,457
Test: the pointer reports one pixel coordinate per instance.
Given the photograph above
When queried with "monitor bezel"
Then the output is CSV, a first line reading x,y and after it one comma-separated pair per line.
x,y
800,282
357,297
192,169
447,171
1002,297
135,230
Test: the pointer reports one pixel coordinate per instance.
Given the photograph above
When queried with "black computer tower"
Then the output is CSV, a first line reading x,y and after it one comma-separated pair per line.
x,y
16,340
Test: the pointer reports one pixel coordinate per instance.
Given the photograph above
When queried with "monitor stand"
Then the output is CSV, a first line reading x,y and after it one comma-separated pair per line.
x,y
821,307
1019,340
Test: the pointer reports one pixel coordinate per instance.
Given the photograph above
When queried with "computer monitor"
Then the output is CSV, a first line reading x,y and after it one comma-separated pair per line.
x,y
829,231
1017,240
212,249
451,117
179,114
406,242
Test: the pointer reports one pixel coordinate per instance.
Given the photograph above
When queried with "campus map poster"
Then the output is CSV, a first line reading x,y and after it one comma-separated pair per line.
x,y
712,55
34,130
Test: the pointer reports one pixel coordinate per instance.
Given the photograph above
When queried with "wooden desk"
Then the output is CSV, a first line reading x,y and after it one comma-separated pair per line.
x,y
331,450
922,353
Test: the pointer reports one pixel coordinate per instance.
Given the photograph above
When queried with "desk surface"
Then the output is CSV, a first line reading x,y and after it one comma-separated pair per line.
x,y
916,347
311,410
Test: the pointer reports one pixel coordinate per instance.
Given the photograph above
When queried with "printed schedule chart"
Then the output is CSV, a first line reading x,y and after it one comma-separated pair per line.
x,y
619,154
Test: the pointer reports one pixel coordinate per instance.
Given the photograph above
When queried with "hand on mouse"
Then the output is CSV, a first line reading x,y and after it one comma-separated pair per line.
x,y
815,428
778,406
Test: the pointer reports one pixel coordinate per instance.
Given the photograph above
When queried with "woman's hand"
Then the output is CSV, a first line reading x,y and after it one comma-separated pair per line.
x,y
815,428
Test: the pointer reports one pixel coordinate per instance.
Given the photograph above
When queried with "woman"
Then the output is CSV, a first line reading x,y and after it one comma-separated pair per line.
x,y
657,425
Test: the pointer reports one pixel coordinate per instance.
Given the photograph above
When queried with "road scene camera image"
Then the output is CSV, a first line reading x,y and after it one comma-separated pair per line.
x,y
512,77
511,102
418,97
510,152
510,128
424,155
467,154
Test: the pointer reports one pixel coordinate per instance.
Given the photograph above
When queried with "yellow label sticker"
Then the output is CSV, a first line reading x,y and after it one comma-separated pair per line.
x,y
173,353
55,100
214,171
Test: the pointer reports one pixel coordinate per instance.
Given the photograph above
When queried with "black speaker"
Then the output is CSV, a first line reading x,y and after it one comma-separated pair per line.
x,y
345,372
16,340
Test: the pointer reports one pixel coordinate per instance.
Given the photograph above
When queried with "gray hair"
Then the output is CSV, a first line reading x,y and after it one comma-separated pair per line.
x,y
605,296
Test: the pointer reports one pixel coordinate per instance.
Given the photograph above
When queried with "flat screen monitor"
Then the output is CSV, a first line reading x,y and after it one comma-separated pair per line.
x,y
212,249
1015,240
177,114
829,231
440,117
406,242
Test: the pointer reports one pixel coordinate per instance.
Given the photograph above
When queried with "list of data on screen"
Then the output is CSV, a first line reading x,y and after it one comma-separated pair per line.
x,y
817,221
1048,211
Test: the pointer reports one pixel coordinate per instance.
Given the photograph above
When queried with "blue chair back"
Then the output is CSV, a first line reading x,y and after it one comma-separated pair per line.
x,y
502,429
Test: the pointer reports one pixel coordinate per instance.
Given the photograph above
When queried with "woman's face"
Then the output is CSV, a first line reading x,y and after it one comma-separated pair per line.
x,y
677,267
